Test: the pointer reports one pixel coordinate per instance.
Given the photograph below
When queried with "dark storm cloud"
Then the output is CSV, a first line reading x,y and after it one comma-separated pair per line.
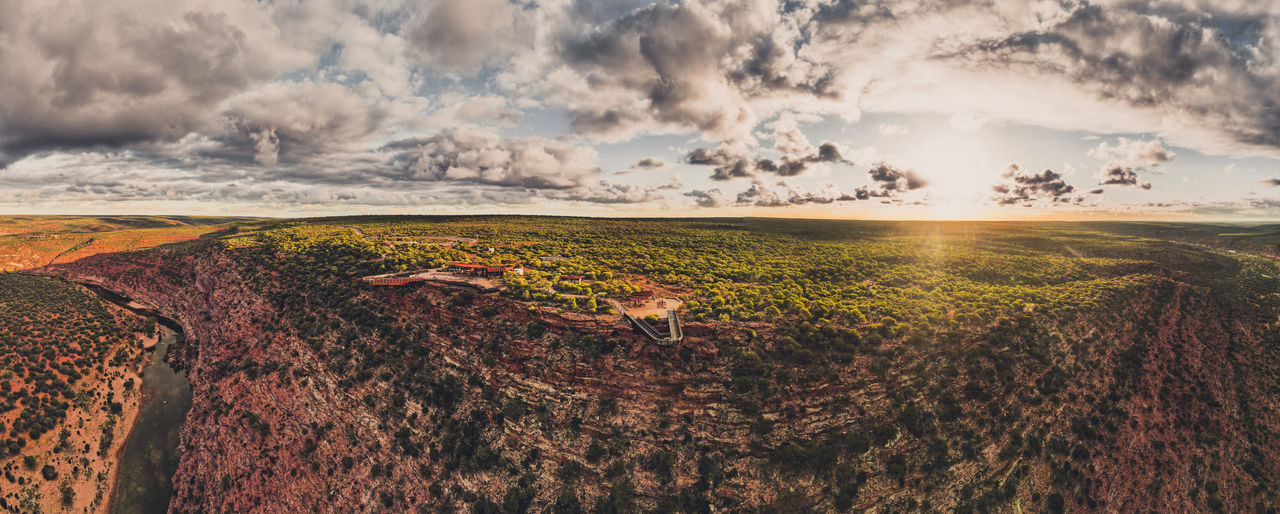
x,y
1121,176
783,194
707,198
651,163
1019,187
298,122
730,162
688,65
113,74
892,179
1179,62
485,157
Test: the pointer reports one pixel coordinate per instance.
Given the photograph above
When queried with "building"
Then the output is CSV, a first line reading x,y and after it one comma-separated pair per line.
x,y
639,297
466,268
483,270
572,278
497,271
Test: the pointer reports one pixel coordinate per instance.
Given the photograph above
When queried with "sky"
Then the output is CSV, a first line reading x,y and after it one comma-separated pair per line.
x,y
948,109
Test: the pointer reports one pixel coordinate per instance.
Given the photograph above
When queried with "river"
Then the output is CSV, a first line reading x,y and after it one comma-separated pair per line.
x,y
150,454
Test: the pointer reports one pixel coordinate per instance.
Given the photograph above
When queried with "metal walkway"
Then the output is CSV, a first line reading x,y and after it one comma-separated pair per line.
x,y
673,322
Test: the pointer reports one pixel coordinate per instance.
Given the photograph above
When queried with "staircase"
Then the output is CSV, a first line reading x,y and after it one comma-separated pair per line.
x,y
675,334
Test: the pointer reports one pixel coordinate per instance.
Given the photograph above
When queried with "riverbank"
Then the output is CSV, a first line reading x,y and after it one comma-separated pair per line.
x,y
92,474
122,427
149,457
80,462
142,399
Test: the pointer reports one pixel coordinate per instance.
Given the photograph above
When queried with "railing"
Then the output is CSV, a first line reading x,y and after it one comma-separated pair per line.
x,y
644,327
673,320
391,281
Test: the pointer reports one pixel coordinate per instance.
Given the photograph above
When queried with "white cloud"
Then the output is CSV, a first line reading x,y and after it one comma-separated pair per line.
x,y
1128,157
1133,152
80,74
708,198
301,120
458,108
464,35
305,95
965,122
893,129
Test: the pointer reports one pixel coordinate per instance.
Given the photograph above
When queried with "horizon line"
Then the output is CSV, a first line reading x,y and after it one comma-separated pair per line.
x,y
247,217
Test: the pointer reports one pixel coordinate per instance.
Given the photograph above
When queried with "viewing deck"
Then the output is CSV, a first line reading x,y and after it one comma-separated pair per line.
x,y
391,281
480,283
674,335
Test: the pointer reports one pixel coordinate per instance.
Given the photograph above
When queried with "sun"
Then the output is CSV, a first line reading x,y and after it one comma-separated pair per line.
x,y
956,210
961,168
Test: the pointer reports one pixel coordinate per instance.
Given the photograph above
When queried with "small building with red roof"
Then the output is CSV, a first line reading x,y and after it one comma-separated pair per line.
x,y
467,268
639,297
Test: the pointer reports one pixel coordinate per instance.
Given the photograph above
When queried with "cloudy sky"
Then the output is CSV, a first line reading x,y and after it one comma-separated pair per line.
x,y
1163,109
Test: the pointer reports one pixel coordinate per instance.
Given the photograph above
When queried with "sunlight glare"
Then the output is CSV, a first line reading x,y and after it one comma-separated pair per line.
x,y
960,167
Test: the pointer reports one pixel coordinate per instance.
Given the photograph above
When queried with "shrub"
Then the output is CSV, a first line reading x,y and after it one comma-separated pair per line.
x,y
67,492
1055,503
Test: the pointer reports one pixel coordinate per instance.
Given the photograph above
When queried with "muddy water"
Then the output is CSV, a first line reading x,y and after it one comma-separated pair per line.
x,y
150,454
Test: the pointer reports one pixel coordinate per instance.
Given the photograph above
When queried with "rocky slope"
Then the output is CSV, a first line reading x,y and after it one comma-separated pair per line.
x,y
314,393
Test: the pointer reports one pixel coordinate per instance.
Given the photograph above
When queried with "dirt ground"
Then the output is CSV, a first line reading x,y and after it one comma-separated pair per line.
x,y
149,342
656,306
449,277
91,473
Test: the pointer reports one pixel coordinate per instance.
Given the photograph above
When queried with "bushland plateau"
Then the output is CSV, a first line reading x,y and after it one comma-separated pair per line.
x,y
514,364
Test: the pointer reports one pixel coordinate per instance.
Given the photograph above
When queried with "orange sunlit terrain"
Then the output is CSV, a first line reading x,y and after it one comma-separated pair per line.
x,y
33,241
